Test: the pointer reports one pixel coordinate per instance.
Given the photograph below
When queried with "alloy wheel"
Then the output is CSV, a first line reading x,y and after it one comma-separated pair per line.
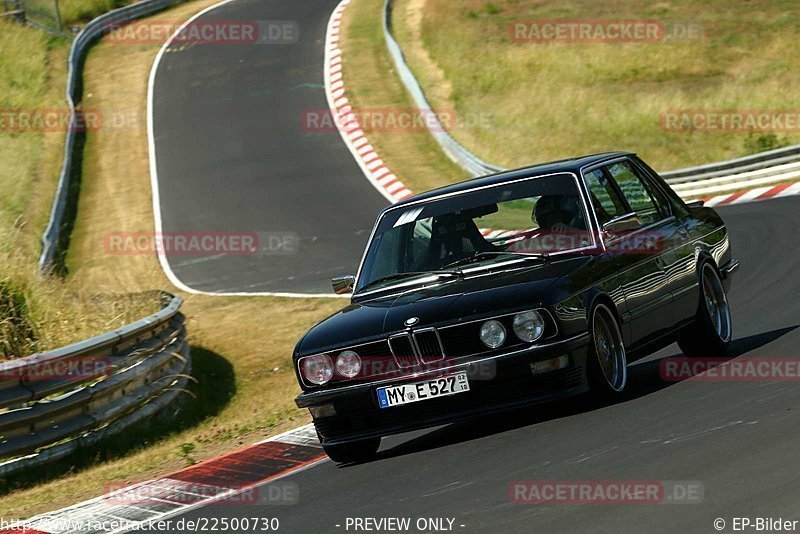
x,y
609,348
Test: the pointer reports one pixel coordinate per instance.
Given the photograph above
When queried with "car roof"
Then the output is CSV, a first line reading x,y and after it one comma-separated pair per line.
x,y
572,165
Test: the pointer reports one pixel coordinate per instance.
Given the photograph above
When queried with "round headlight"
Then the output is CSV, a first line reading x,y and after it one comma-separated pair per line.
x,y
348,364
493,334
318,369
529,326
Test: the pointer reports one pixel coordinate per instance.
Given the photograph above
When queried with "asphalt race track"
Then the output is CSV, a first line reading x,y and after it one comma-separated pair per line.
x,y
234,157
739,439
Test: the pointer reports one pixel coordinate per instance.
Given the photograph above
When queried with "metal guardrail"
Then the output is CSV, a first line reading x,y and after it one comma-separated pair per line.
x,y
51,404
94,29
463,157
733,179
55,402
12,9
477,167
789,154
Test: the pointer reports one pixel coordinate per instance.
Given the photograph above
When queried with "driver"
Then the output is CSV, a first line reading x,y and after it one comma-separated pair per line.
x,y
453,237
557,213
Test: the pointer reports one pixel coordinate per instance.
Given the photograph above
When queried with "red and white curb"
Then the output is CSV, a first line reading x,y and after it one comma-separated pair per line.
x,y
395,190
123,509
346,121
753,195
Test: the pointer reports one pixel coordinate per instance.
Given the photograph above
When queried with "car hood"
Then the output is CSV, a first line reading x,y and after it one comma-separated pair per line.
x,y
447,302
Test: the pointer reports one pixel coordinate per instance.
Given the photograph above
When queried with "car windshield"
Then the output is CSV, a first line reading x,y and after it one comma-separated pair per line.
x,y
541,215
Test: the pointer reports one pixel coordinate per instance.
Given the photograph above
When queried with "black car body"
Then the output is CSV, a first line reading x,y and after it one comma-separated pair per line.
x,y
639,270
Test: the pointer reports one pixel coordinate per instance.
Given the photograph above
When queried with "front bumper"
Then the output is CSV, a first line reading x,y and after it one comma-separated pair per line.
x,y
511,383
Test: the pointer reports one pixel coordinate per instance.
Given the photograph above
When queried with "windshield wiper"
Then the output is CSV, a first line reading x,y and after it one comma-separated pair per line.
x,y
482,255
409,274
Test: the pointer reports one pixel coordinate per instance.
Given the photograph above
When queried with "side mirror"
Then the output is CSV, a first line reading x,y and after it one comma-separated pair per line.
x,y
623,223
696,204
343,284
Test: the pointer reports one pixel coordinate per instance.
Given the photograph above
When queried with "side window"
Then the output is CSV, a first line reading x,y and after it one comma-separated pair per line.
x,y
607,204
673,203
661,200
636,192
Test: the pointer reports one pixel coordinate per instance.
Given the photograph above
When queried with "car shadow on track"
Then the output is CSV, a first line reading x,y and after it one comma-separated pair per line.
x,y
644,378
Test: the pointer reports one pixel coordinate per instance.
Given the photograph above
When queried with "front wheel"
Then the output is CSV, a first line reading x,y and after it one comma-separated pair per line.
x,y
711,333
353,453
608,365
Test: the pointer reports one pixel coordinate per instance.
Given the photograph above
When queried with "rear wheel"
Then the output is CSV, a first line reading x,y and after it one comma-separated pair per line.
x,y
711,333
354,452
608,365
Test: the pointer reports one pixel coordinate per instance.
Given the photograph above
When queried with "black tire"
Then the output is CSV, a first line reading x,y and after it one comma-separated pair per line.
x,y
710,334
355,452
607,364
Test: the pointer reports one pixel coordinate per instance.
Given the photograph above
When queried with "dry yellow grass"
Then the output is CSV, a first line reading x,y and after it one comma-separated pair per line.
x,y
372,85
39,314
254,336
552,100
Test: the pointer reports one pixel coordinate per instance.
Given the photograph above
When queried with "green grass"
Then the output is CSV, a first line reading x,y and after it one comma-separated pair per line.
x,y
24,85
73,12
36,313
552,100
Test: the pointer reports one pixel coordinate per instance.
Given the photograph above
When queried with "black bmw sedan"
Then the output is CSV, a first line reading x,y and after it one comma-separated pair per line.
x,y
515,288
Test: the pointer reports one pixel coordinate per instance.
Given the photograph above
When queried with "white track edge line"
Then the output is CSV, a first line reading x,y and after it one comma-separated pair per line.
x,y
155,195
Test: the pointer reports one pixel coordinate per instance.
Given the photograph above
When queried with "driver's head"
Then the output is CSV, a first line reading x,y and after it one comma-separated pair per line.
x,y
553,209
453,237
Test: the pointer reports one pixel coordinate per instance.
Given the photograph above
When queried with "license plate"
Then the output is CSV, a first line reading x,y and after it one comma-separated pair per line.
x,y
420,391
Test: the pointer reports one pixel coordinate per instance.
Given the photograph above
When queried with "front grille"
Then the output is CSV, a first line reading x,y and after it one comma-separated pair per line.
x,y
430,349
403,351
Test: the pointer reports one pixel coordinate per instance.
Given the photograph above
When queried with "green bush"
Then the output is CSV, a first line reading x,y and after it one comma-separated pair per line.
x,y
754,144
